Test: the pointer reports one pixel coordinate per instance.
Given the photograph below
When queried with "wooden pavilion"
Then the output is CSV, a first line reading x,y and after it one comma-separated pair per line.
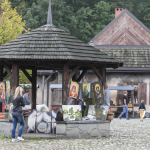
x,y
50,48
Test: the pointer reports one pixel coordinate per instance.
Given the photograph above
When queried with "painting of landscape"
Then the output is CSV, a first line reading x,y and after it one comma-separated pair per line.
x,y
72,112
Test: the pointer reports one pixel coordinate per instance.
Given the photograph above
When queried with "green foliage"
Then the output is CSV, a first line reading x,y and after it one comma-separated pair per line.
x,y
22,77
2,137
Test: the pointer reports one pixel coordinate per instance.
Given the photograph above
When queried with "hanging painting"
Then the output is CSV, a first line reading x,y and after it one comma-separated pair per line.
x,y
98,90
97,112
43,122
7,90
31,121
2,92
86,90
74,90
72,112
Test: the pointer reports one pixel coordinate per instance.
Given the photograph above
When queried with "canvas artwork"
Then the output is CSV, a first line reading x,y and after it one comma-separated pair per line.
x,y
31,121
43,122
72,112
98,90
101,112
74,90
91,112
2,92
10,111
7,90
97,112
86,90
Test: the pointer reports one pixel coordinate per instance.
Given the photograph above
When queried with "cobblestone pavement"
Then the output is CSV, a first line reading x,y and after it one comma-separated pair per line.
x,y
124,135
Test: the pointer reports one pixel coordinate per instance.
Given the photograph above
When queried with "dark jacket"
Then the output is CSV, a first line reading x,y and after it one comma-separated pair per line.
x,y
142,106
17,106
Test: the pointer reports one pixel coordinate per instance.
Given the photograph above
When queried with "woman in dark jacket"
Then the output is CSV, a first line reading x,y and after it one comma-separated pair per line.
x,y
142,108
17,115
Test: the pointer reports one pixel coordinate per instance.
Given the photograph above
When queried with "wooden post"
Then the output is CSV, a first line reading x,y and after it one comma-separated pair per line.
x,y
65,80
34,78
15,77
43,79
102,71
1,73
48,94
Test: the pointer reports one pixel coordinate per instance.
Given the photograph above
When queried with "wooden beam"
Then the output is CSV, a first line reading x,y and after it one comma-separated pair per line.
x,y
27,75
97,72
8,71
43,79
47,79
34,78
15,77
82,75
74,71
65,80
102,71
39,79
1,73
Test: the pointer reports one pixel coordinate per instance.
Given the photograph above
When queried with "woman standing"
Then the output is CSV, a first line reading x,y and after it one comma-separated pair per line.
x,y
142,108
17,115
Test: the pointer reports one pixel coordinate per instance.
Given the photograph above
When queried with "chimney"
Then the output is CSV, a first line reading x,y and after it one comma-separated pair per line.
x,y
118,11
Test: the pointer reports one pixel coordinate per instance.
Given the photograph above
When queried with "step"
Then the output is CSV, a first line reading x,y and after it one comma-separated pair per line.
x,y
39,135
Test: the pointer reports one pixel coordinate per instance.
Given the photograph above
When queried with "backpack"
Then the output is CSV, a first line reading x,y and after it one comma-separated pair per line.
x,y
59,116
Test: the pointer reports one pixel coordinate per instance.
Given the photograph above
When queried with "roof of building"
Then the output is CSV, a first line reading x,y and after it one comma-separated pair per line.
x,y
51,43
125,29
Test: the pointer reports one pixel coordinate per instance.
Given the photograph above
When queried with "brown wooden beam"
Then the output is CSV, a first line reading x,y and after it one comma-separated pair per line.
x,y
102,71
4,74
1,73
8,71
15,77
34,80
65,80
27,75
82,75
97,72
74,71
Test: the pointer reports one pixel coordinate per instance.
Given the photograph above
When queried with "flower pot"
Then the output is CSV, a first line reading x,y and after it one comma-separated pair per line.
x,y
110,116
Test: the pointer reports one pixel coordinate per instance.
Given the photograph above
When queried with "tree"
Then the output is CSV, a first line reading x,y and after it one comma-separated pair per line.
x,y
11,24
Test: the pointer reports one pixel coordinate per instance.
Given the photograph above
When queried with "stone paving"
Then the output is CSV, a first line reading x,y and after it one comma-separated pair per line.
x,y
124,135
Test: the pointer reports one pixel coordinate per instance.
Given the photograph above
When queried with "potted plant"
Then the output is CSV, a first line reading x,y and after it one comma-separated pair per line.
x,y
110,115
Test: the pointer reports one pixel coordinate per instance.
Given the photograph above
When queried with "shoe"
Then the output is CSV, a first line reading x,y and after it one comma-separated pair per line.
x,y
14,140
128,119
20,139
119,118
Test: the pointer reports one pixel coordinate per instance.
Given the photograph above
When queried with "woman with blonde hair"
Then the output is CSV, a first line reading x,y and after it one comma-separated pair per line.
x,y
17,115
142,108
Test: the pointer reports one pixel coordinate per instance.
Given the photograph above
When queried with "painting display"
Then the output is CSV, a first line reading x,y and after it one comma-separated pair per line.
x,y
86,90
74,90
31,121
2,92
98,90
10,111
7,90
72,112
97,112
43,122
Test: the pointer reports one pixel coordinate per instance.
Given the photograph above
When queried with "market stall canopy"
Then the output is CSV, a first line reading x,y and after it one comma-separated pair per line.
x,y
121,88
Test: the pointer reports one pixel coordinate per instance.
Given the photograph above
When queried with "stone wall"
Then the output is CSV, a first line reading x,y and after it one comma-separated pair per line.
x,y
82,129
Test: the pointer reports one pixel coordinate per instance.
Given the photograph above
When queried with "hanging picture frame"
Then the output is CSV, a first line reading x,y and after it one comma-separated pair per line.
x,y
74,90
2,91
7,91
86,90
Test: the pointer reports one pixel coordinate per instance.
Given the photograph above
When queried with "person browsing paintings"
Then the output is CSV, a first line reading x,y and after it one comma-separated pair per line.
x,y
142,108
107,95
17,115
26,98
125,106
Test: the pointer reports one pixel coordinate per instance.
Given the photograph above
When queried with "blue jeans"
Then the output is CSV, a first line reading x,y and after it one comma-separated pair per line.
x,y
125,110
15,121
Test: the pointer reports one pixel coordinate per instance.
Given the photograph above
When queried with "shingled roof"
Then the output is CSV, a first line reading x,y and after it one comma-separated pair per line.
x,y
51,43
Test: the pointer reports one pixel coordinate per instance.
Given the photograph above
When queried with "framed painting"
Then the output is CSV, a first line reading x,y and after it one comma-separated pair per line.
x,y
72,112
74,90
98,92
7,90
43,122
86,90
91,112
2,91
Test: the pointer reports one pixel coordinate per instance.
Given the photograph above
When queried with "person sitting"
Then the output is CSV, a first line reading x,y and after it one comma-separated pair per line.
x,y
26,98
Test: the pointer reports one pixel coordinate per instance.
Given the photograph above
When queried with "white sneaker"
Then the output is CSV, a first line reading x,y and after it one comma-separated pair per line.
x,y
14,140
20,139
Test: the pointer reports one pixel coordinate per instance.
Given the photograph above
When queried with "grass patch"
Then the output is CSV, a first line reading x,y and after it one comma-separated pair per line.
x,y
2,137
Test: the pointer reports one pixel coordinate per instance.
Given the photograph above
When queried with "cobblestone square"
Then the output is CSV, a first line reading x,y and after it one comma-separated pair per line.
x,y
124,135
